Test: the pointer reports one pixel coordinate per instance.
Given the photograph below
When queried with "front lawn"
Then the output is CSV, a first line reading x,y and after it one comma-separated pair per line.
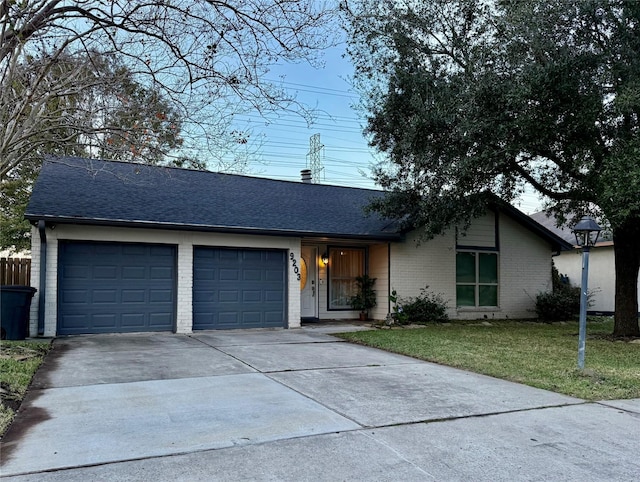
x,y
19,361
536,354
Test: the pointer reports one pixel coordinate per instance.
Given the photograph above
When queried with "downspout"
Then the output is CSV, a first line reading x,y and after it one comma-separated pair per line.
x,y
388,277
43,275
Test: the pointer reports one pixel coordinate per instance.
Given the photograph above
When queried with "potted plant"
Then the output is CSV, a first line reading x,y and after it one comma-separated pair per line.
x,y
365,298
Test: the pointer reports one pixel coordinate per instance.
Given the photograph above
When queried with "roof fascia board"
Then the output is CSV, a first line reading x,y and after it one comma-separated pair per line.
x,y
204,228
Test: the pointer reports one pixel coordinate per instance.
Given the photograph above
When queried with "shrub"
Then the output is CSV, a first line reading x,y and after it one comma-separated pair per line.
x,y
559,305
563,303
421,309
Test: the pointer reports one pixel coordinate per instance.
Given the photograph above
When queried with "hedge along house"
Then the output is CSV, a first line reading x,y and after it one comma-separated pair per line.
x,y
121,247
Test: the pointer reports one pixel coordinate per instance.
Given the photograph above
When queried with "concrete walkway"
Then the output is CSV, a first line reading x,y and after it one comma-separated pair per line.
x,y
298,405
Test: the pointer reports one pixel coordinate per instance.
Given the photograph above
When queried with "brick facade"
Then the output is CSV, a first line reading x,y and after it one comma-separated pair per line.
x,y
407,266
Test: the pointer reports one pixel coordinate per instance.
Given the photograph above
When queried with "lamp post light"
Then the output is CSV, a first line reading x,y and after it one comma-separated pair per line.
x,y
586,232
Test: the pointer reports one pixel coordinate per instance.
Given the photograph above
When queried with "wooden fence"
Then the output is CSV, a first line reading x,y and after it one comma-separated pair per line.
x,y
15,271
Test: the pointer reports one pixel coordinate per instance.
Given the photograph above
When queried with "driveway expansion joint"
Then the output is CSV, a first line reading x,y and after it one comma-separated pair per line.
x,y
477,415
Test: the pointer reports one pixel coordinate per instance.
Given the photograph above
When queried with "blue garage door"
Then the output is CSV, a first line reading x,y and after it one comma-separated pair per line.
x,y
115,288
238,288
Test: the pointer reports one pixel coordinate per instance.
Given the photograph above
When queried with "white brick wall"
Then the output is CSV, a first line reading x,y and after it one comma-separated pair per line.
x,y
35,281
524,270
184,240
432,263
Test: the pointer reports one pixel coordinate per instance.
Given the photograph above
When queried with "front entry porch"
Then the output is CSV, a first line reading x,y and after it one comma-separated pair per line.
x,y
328,274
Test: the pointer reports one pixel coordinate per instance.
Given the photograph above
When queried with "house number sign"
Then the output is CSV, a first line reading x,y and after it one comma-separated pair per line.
x,y
294,263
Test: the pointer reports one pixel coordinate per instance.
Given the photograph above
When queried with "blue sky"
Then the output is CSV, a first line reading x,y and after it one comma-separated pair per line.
x,y
285,141
346,155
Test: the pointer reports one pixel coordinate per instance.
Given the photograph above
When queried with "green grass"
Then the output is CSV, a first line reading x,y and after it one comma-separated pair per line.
x,y
19,361
535,354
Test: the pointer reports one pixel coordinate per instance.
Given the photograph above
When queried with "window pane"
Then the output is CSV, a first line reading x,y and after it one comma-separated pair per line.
x,y
488,295
344,265
488,268
465,295
341,293
466,268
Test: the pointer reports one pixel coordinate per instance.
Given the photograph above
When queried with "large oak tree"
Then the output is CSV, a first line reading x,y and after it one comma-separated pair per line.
x,y
477,98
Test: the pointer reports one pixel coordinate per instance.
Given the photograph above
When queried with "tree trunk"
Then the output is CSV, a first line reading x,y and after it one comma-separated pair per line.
x,y
626,245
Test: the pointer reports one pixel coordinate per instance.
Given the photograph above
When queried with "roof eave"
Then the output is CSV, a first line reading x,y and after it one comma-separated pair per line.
x,y
208,228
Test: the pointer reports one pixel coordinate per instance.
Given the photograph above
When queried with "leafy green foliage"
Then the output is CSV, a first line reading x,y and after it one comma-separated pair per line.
x,y
365,297
561,305
424,308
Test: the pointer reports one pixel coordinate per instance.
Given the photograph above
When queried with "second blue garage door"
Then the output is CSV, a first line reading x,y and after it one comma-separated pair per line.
x,y
238,288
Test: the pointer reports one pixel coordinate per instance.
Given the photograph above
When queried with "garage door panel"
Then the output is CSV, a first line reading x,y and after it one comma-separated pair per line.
x,y
134,250
107,249
133,320
274,296
253,256
251,275
110,287
106,321
226,254
133,296
229,275
75,297
203,296
251,296
105,272
225,296
104,296
76,272
161,273
225,321
160,296
272,316
233,288
77,321
133,272
160,319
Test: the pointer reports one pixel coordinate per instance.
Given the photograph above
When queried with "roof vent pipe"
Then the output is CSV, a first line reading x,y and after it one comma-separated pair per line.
x,y
306,176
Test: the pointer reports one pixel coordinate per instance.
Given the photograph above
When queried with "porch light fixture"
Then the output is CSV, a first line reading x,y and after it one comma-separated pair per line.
x,y
586,232
325,258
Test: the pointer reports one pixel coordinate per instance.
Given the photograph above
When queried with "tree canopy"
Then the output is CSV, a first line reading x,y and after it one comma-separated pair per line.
x,y
471,99
99,111
141,81
207,58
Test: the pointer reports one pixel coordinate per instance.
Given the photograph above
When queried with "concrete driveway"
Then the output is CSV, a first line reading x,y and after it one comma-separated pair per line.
x,y
298,405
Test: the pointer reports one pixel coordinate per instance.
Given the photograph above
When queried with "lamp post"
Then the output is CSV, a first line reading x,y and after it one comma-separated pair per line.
x,y
586,232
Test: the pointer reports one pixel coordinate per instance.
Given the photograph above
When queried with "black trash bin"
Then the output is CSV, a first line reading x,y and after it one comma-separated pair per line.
x,y
14,311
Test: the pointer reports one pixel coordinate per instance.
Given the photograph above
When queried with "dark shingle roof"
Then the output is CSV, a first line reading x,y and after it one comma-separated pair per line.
x,y
566,231
550,223
84,191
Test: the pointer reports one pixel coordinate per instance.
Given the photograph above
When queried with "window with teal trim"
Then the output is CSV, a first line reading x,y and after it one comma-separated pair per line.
x,y
476,279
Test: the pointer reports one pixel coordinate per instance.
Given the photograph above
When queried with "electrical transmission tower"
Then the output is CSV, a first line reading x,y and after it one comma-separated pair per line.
x,y
314,158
